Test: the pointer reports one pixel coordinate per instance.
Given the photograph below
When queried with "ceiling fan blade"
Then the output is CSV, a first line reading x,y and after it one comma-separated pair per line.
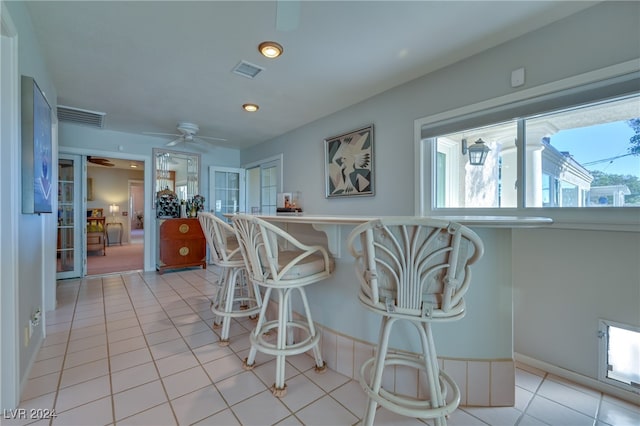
x,y
100,161
211,138
160,134
287,15
175,141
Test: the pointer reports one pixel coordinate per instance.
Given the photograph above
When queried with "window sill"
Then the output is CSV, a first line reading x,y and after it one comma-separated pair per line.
x,y
619,219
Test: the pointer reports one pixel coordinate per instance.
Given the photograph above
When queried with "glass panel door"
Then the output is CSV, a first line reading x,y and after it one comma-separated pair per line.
x,y
269,188
264,181
68,250
226,190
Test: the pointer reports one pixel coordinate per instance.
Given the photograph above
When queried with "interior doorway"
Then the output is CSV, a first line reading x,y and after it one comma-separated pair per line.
x,y
116,187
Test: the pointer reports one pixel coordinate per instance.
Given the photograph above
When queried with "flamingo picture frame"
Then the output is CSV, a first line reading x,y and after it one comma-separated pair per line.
x,y
349,164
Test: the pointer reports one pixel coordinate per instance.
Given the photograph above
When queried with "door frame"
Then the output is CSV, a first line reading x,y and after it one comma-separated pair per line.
x,y
241,185
9,161
79,252
149,263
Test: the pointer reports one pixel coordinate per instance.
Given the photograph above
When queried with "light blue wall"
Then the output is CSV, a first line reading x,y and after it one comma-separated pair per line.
x,y
36,233
107,142
555,299
566,48
77,139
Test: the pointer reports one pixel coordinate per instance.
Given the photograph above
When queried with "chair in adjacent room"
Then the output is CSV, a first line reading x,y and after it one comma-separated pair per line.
x,y
280,263
417,270
235,297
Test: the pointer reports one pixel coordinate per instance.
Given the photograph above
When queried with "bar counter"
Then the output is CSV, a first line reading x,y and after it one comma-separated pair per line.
x,y
329,224
477,350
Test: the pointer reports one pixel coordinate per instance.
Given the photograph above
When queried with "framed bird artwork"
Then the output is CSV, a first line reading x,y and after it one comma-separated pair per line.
x,y
349,164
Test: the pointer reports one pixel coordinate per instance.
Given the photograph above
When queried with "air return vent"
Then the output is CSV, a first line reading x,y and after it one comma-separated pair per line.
x,y
246,69
81,116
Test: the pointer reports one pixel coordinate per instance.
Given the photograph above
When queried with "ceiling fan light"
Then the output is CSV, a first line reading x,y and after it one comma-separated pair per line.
x,y
250,107
270,49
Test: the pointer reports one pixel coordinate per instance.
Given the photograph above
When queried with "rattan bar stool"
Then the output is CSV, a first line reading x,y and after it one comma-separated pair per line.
x,y
281,264
235,297
412,269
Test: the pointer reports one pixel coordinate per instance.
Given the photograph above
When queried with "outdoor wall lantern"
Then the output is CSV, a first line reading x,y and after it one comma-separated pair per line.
x,y
477,152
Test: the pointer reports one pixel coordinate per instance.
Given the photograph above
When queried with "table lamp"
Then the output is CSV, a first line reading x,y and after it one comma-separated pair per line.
x,y
114,209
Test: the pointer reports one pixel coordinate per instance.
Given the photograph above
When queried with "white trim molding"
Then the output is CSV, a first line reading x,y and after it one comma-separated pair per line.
x,y
9,169
579,378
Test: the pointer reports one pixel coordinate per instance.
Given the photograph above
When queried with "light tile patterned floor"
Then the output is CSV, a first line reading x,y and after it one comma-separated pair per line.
x,y
138,349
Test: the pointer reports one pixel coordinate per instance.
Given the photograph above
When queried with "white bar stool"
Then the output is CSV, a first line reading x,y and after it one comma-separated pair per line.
x,y
277,261
235,297
414,269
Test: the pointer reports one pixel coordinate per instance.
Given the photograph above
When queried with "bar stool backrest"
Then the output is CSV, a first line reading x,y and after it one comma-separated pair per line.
x,y
221,238
414,266
274,257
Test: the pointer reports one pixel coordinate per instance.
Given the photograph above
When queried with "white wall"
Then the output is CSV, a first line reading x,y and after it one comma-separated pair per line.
x,y
567,48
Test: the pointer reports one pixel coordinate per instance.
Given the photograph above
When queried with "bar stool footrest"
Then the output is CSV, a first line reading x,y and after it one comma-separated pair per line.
x,y
262,345
406,405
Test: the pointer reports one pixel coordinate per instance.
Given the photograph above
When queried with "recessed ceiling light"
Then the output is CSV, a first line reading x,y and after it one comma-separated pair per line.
x,y
270,49
250,107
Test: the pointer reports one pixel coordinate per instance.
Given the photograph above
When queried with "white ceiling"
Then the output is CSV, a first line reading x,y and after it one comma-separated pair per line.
x,y
150,64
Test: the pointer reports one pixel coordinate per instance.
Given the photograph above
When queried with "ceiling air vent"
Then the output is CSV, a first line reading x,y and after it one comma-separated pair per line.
x,y
81,116
246,69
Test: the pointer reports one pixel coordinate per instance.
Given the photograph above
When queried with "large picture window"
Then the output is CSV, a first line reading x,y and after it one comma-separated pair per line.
x,y
587,156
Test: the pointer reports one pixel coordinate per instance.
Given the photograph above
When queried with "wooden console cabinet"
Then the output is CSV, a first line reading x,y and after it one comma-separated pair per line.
x,y
181,244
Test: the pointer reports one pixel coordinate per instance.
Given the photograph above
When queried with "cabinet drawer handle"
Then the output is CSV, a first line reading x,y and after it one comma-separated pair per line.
x,y
184,251
184,228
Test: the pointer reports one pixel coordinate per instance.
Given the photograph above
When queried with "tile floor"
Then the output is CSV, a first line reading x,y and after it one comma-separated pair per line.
x,y
138,349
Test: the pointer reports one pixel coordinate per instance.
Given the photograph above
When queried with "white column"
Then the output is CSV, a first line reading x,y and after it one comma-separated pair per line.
x,y
533,173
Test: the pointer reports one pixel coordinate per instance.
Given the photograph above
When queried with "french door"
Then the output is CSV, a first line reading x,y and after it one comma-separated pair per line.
x,y
226,190
269,184
252,189
69,249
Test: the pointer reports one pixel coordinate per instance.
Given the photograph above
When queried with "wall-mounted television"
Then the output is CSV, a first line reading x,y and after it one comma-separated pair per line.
x,y
37,170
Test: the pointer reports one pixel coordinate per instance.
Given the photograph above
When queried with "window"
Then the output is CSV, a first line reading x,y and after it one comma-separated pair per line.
x,y
619,355
579,157
570,147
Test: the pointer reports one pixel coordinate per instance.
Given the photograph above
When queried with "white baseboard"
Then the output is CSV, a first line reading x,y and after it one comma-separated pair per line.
x,y
579,378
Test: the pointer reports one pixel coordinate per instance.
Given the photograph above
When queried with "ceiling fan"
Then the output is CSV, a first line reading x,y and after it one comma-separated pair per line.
x,y
186,133
100,161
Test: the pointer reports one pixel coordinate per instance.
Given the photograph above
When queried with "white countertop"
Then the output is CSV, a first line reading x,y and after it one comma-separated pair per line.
x,y
474,221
